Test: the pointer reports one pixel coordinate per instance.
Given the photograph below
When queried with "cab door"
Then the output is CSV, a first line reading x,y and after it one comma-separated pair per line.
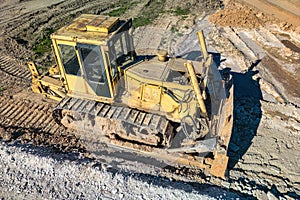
x,y
95,71
73,74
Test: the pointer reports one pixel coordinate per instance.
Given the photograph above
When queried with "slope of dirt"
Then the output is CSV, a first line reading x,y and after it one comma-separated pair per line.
x,y
273,44
287,11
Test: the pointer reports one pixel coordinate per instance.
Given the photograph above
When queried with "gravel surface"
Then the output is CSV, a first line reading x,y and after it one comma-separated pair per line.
x,y
29,172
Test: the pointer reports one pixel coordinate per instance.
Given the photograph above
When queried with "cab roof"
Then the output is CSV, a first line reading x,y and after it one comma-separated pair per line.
x,y
88,28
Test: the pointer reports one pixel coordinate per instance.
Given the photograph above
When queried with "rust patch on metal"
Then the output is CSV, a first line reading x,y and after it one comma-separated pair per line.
x,y
219,165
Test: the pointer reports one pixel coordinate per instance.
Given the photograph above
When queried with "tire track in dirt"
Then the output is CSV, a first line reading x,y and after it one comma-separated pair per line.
x,y
29,121
13,70
14,77
51,16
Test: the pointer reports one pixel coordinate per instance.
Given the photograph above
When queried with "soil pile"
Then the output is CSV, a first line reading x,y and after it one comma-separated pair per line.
x,y
239,16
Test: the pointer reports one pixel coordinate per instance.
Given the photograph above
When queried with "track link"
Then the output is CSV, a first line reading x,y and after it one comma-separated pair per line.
x,y
113,121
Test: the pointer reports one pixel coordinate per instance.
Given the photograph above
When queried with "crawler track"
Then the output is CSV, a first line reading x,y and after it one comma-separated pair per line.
x,y
144,127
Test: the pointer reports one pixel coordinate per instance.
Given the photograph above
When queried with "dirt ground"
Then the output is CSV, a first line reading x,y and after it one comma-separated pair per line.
x,y
258,42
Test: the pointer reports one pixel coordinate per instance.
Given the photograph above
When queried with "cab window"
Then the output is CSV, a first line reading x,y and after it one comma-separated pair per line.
x,y
69,59
118,51
93,63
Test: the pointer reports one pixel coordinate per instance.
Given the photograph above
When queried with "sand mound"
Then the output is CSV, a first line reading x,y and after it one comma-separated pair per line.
x,y
240,16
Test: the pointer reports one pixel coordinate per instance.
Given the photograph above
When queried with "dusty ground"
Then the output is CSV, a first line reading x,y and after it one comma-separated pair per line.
x,y
261,50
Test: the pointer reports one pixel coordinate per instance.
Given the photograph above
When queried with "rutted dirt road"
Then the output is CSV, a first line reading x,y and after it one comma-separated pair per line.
x,y
261,52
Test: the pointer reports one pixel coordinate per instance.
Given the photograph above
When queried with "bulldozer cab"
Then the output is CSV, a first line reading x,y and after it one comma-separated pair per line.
x,y
88,52
84,69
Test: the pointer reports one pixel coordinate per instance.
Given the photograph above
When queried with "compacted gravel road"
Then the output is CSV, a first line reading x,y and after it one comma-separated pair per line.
x,y
29,172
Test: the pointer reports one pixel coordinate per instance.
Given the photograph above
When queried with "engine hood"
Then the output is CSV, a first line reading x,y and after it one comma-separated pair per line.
x,y
162,71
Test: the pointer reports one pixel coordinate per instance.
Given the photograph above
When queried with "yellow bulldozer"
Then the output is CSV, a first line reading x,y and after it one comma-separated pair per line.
x,y
171,109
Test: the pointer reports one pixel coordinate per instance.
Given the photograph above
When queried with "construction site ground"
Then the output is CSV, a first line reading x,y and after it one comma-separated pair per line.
x,y
257,42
